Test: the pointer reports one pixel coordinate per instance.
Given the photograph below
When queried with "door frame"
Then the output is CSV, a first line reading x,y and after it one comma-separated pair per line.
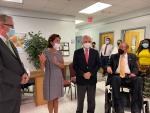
x,y
100,44
130,29
80,36
136,28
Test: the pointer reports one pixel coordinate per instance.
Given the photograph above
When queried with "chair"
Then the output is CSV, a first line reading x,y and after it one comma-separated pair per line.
x,y
73,77
25,87
67,83
109,103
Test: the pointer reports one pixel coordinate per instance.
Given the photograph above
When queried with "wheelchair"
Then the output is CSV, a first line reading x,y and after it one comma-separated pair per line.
x,y
126,98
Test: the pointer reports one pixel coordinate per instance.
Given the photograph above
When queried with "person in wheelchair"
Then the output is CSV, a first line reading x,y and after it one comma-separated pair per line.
x,y
123,70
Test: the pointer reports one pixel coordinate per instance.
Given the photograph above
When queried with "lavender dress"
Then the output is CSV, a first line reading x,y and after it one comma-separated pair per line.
x,y
53,79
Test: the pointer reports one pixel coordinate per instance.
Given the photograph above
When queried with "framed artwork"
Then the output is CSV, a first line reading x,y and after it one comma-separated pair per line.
x,y
64,48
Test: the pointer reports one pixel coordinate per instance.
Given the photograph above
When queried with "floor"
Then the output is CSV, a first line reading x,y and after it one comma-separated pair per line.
x,y
65,103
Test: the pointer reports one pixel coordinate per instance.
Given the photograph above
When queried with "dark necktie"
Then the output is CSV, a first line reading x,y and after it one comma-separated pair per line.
x,y
105,49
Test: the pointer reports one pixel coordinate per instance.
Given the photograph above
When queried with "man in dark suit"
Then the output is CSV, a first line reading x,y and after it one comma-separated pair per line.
x,y
124,70
12,72
86,64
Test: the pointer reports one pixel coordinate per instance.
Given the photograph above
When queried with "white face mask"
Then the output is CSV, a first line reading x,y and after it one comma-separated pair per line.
x,y
56,46
87,45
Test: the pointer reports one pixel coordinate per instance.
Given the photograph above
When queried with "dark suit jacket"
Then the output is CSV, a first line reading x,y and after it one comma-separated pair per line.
x,y
132,62
11,70
80,66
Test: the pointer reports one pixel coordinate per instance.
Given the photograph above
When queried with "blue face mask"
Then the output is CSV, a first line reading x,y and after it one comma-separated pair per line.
x,y
11,32
145,45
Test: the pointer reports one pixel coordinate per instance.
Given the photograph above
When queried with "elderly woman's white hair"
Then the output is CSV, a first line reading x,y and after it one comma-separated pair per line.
x,y
85,37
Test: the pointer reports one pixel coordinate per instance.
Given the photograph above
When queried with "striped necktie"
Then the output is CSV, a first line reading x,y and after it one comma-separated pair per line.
x,y
105,49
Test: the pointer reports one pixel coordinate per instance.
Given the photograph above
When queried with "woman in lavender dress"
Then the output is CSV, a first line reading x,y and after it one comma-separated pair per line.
x,y
52,61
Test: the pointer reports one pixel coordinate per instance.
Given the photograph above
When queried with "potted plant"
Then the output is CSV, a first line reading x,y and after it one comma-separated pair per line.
x,y
34,45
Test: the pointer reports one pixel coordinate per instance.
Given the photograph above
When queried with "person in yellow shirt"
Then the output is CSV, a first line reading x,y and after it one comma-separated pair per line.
x,y
143,53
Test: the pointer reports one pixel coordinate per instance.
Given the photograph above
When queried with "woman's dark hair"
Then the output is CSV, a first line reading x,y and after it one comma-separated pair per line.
x,y
51,39
140,48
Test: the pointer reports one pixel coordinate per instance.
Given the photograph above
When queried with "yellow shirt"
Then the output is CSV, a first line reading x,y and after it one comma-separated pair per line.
x,y
144,57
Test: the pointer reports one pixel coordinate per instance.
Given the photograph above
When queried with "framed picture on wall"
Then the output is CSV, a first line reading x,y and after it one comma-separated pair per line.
x,y
66,53
64,48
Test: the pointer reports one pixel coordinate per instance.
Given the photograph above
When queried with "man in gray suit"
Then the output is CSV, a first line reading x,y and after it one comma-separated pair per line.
x,y
12,71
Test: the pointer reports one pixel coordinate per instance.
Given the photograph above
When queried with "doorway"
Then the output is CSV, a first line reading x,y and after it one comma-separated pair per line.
x,y
78,42
133,37
103,37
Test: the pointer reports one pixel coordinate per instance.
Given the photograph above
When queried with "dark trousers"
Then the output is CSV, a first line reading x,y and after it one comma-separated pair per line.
x,y
104,63
11,106
81,90
136,92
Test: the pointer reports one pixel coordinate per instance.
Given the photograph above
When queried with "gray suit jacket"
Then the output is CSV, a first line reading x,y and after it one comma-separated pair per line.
x,y
11,70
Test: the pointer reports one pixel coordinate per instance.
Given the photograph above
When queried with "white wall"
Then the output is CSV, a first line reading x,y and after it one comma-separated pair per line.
x,y
26,21
128,21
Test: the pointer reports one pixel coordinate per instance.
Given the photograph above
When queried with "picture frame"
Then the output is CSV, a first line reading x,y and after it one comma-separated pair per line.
x,y
64,48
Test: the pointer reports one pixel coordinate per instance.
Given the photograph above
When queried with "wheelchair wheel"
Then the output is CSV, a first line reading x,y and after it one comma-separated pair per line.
x,y
107,101
147,107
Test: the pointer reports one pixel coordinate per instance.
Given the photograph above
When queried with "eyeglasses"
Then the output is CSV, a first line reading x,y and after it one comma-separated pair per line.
x,y
9,25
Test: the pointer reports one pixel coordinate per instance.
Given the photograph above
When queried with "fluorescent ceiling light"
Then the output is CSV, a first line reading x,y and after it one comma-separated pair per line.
x,y
94,8
16,1
78,21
